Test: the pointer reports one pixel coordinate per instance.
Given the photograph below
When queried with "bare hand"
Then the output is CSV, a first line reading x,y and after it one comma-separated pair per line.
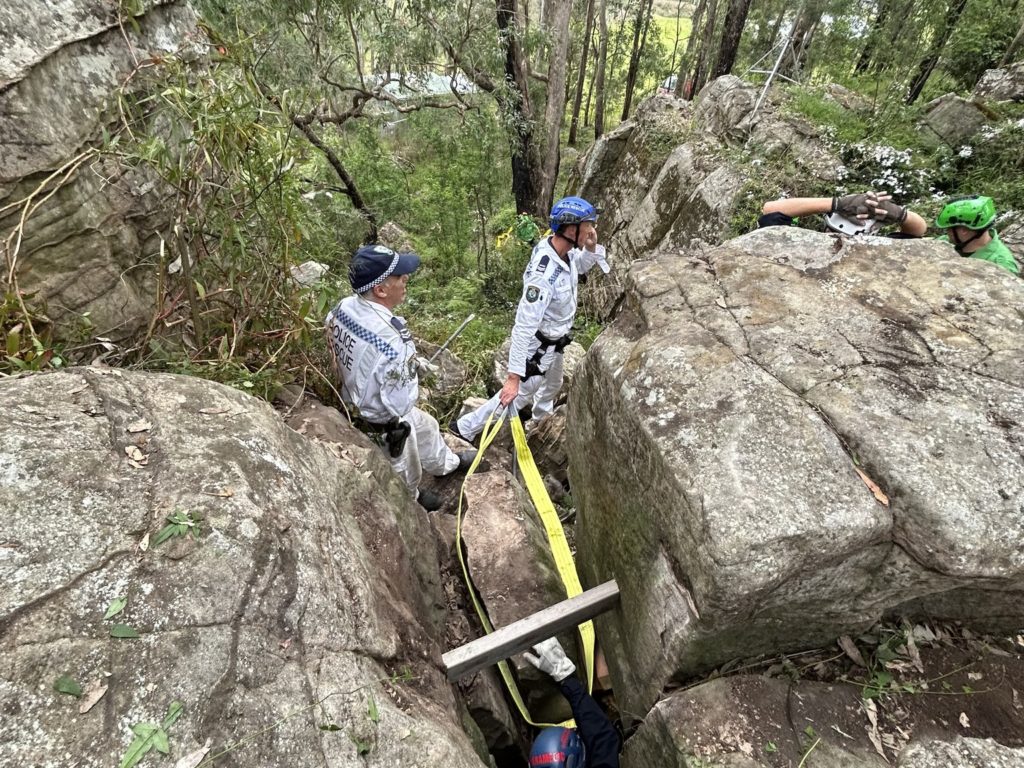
x,y
590,240
510,391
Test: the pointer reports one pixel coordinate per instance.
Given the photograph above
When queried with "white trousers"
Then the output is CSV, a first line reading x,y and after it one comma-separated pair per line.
x,y
538,391
425,451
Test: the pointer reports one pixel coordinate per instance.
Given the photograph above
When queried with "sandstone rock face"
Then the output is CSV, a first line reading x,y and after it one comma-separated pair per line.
x,y
514,572
666,181
1002,84
92,247
313,579
733,402
953,119
749,721
962,753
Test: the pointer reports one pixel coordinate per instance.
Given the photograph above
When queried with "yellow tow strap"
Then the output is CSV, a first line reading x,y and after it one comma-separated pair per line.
x,y
556,540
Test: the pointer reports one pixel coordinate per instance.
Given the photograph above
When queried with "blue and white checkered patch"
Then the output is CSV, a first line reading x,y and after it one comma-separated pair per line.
x,y
366,335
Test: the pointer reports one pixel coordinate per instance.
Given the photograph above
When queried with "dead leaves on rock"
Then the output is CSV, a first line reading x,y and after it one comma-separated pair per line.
x,y
135,456
194,758
852,651
873,487
94,691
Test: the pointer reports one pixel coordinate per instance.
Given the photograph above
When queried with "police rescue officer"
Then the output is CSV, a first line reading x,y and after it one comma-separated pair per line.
x,y
545,315
375,357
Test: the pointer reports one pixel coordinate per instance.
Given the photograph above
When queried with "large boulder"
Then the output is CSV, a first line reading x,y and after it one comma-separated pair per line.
x,y
297,620
1002,84
799,434
672,177
91,247
751,721
953,120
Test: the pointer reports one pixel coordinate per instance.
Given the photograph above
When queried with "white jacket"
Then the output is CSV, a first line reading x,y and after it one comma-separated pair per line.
x,y
548,303
376,358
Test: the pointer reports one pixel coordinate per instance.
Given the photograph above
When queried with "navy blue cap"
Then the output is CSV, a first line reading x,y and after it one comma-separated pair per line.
x,y
373,264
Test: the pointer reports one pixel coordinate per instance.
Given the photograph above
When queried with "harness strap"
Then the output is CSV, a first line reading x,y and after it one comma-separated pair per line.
x,y
546,343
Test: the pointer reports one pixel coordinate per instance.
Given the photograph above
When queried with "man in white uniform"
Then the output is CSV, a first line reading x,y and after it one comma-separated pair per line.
x,y
545,315
374,354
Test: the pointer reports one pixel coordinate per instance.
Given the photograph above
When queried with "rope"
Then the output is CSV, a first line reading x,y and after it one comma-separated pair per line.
x,y
556,540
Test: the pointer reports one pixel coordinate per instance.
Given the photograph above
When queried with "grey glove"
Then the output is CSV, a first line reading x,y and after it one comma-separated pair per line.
x,y
854,206
426,368
894,214
551,659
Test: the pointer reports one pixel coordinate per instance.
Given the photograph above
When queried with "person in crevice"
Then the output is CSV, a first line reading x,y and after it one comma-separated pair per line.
x,y
545,316
967,221
374,355
594,742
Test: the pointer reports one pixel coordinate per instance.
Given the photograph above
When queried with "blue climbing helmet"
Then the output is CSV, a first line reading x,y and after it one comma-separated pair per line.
x,y
557,748
571,210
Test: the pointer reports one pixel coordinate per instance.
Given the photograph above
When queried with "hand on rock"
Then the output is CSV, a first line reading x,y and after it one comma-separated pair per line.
x,y
551,659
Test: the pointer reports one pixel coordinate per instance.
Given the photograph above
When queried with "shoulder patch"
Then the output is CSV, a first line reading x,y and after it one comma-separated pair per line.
x,y
402,328
532,293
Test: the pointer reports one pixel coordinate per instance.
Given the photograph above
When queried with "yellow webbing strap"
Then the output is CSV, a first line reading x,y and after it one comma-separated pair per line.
x,y
559,548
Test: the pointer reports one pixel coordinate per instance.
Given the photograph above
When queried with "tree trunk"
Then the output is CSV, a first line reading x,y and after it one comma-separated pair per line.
x,y
872,39
897,31
1015,45
578,100
681,90
800,40
700,72
776,27
554,110
732,31
675,43
349,185
927,66
590,87
643,20
602,60
526,164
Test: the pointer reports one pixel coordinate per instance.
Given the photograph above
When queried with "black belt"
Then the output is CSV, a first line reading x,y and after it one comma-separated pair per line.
x,y
390,434
546,343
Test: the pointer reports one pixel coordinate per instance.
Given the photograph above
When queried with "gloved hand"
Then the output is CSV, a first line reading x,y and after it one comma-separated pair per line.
x,y
551,659
860,206
426,368
894,214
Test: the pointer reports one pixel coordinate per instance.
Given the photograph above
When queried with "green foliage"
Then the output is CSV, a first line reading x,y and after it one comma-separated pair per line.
x,y
179,524
27,334
68,685
885,151
123,632
150,736
982,36
115,608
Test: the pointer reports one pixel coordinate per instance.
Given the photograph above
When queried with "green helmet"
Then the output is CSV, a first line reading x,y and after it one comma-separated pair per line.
x,y
971,211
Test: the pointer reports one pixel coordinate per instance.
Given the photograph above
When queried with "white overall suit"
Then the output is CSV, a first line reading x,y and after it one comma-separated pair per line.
x,y
376,358
548,306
